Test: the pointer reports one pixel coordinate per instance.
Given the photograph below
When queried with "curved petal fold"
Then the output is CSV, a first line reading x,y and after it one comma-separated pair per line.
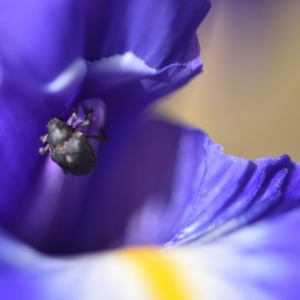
x,y
189,189
127,85
159,32
235,192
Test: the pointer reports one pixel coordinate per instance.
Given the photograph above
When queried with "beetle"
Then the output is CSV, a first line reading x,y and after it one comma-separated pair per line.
x,y
69,148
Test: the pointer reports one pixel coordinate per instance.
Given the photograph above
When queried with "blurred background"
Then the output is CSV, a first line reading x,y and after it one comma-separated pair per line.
x,y
248,97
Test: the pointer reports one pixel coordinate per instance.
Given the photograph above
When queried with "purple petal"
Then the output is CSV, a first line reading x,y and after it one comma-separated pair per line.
x,y
188,185
36,198
235,192
162,183
25,111
39,38
156,31
70,214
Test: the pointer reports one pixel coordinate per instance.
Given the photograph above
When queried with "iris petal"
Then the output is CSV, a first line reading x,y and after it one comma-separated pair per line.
x,y
235,192
34,89
41,37
159,184
28,274
26,108
25,112
256,262
156,31
127,85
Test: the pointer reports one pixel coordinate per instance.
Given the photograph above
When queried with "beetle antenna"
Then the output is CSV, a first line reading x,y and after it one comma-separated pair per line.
x,y
62,111
101,138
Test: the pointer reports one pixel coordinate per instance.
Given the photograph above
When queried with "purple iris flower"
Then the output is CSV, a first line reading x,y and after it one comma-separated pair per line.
x,y
155,184
61,53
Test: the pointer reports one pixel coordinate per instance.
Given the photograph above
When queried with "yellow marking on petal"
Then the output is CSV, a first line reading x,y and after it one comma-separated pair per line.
x,y
163,276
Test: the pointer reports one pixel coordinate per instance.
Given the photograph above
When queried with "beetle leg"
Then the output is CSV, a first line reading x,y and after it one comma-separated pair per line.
x,y
44,138
87,121
62,111
74,115
42,150
101,138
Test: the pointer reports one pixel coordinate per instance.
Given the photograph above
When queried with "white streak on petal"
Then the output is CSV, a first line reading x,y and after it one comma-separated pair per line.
x,y
69,79
128,63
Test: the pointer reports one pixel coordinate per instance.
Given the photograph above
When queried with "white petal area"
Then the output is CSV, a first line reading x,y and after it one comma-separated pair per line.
x,y
258,262
218,273
24,271
127,63
69,79
109,73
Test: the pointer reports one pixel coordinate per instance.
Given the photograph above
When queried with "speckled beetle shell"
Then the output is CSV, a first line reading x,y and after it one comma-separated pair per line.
x,y
75,155
69,148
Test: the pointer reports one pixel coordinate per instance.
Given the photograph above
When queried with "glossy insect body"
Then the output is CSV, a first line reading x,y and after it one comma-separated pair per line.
x,y
58,132
69,148
75,155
